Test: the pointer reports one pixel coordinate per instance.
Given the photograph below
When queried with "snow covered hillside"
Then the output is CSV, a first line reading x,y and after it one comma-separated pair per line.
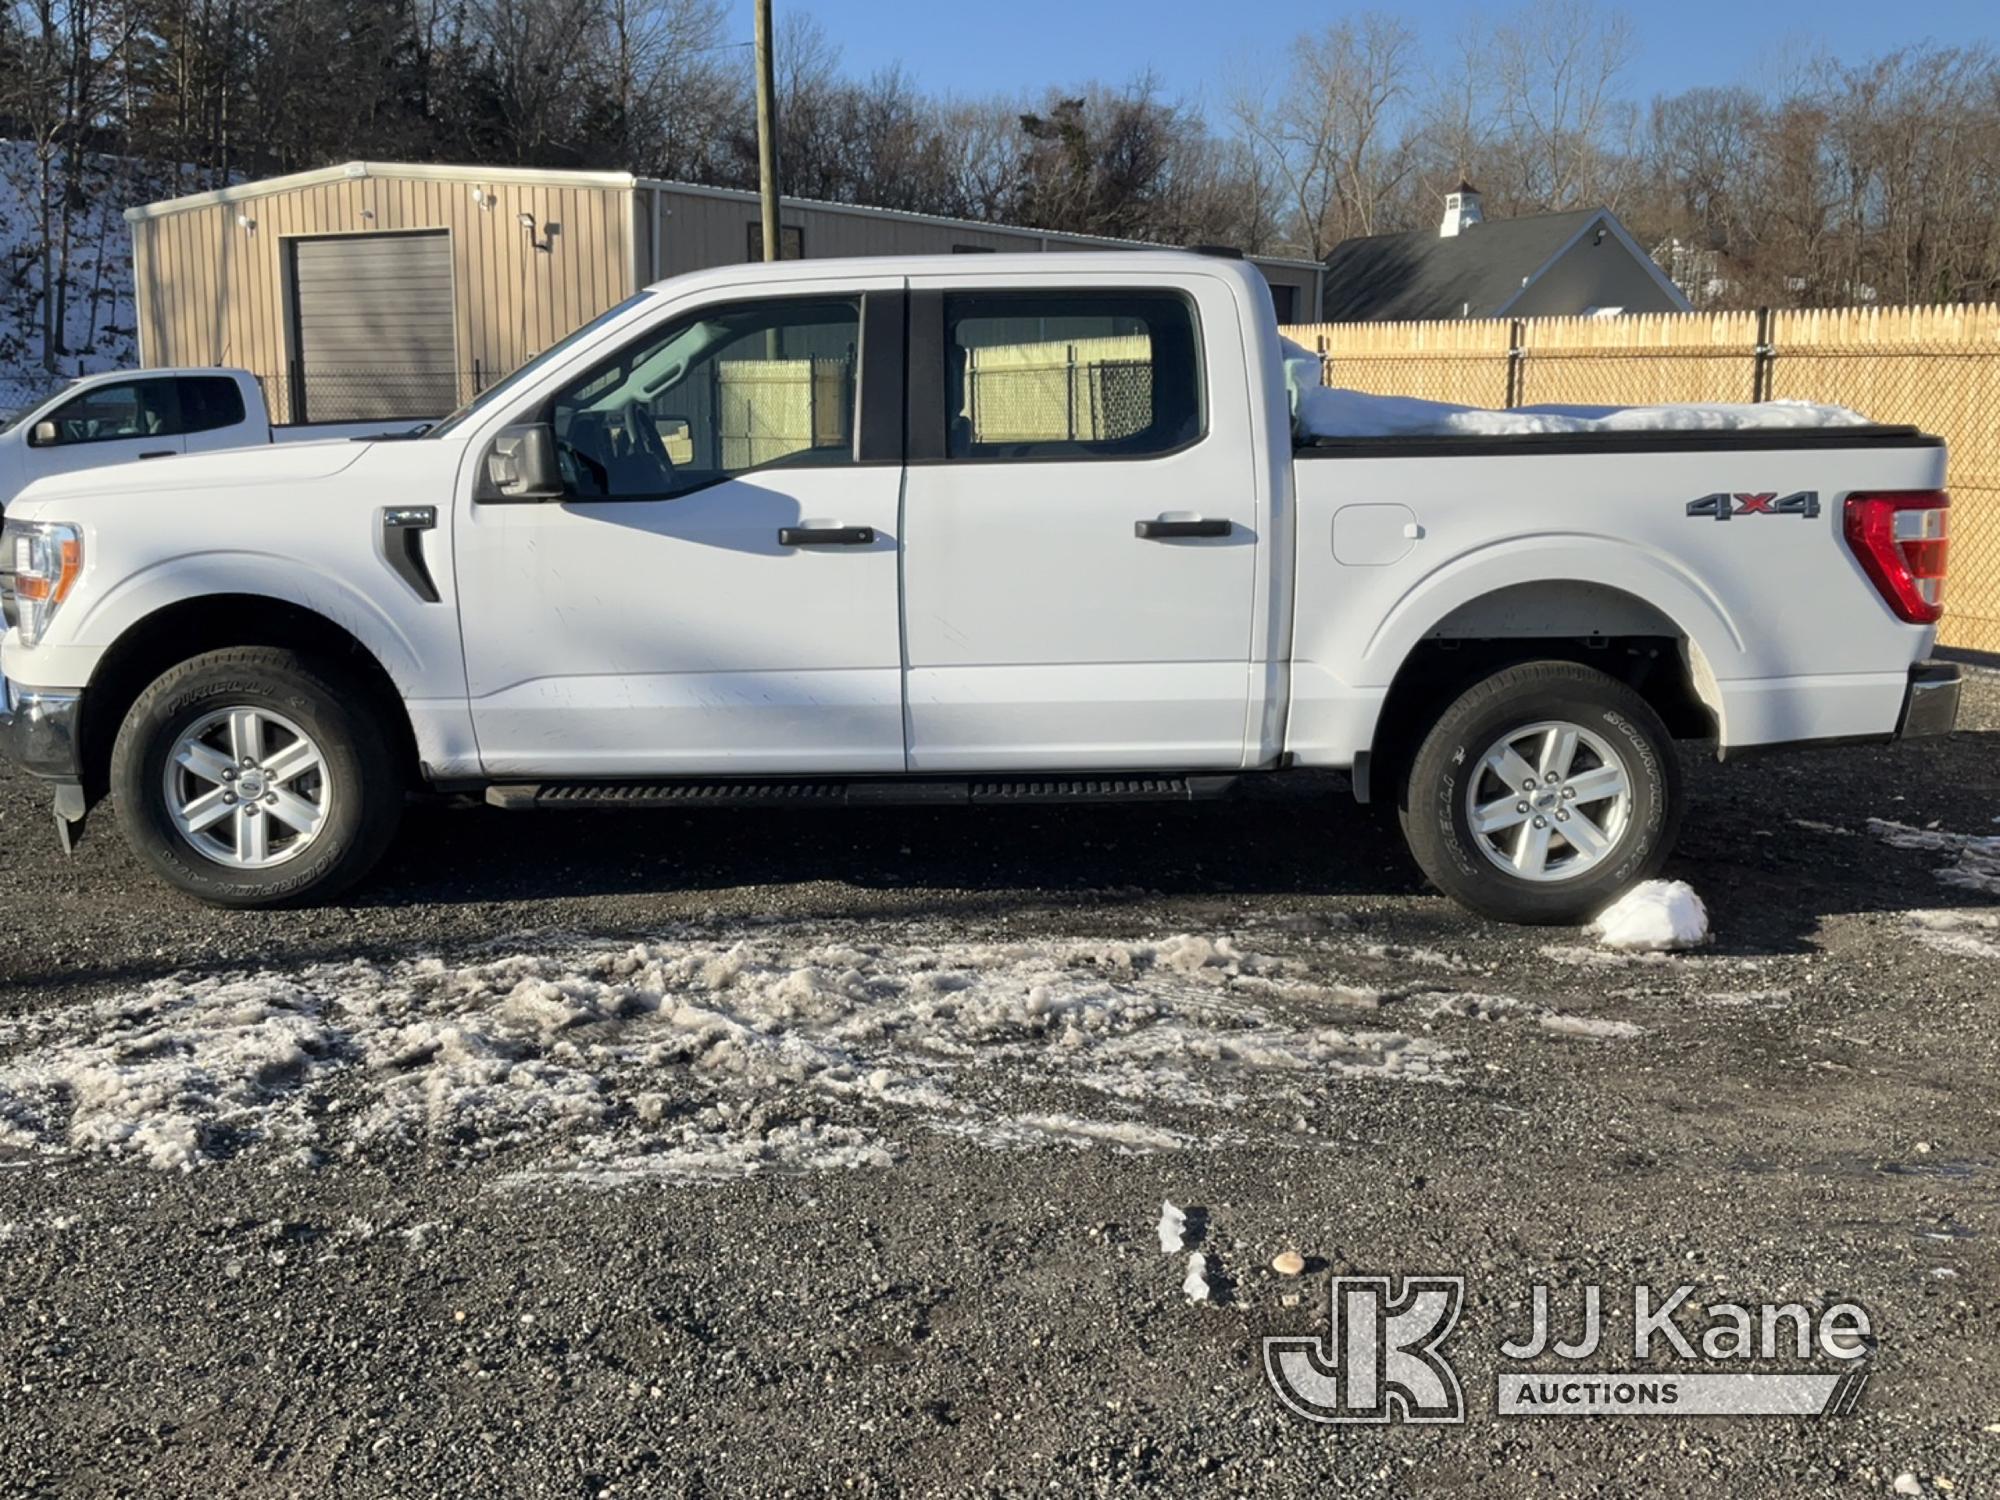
x,y
99,331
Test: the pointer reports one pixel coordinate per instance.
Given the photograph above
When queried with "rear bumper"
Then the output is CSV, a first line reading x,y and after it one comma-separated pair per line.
x,y
1929,708
1930,703
38,730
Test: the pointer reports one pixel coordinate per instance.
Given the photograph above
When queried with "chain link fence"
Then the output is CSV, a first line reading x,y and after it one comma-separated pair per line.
x,y
21,391
1937,368
1084,390
306,394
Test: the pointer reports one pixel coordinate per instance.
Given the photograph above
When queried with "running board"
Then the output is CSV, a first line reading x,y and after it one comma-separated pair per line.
x,y
1023,791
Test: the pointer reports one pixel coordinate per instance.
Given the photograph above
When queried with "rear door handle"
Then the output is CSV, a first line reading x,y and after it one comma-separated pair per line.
x,y
1153,531
159,453
825,536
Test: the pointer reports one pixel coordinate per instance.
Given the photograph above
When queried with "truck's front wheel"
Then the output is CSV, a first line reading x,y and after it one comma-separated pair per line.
x,y
1542,793
254,776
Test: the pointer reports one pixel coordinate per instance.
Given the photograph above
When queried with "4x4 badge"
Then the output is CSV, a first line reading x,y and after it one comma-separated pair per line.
x,y
1726,507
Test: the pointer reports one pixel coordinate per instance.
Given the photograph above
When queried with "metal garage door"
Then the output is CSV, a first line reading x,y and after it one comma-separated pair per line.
x,y
373,334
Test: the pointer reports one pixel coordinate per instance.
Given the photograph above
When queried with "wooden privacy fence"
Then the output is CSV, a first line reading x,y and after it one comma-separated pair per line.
x,y
1937,368
1092,390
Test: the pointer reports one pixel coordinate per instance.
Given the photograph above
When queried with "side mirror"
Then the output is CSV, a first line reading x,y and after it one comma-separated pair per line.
x,y
44,435
520,466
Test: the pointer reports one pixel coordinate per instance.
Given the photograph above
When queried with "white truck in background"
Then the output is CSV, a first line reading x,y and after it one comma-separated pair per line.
x,y
972,530
124,416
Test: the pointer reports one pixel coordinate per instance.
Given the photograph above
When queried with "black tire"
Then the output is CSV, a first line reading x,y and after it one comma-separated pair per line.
x,y
361,771
1435,817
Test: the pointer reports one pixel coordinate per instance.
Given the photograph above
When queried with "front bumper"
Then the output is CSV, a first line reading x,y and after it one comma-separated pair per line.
x,y
39,730
1930,702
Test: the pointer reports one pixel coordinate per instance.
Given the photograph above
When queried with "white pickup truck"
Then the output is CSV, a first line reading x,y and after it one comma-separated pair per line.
x,y
127,415
968,530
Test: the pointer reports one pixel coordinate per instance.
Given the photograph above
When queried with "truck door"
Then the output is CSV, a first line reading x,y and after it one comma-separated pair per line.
x,y
716,593
112,423
1081,529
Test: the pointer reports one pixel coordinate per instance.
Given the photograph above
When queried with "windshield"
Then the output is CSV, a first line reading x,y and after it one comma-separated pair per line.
x,y
526,372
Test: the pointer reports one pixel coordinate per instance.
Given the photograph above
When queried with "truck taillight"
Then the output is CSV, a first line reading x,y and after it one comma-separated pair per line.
x,y
1899,538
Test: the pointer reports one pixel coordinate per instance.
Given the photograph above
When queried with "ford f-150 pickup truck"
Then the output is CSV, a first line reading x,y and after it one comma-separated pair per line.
x,y
967,530
126,415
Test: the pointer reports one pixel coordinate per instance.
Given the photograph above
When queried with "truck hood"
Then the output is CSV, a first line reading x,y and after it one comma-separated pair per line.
x,y
226,468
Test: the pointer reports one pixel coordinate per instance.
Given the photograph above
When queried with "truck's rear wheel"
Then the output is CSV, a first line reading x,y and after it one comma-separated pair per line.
x,y
1542,793
254,777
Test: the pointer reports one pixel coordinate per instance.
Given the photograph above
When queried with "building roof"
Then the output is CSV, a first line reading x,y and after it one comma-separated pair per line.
x,y
913,216
558,177
344,171
1472,274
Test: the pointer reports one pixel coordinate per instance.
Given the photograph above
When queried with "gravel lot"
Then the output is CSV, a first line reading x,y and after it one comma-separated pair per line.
x,y
745,1153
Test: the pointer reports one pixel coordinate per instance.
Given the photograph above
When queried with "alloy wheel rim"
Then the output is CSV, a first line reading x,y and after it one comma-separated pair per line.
x,y
1549,801
247,788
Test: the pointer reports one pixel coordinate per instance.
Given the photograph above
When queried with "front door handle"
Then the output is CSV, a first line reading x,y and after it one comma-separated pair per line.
x,y
159,453
1153,531
825,536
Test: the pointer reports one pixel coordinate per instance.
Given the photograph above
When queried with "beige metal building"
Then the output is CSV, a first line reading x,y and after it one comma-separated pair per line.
x,y
384,290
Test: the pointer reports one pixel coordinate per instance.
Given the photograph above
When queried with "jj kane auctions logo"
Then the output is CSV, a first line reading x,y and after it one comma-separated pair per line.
x,y
1382,1358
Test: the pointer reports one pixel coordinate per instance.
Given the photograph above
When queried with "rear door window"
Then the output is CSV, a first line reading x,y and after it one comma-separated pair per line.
x,y
1071,375
209,402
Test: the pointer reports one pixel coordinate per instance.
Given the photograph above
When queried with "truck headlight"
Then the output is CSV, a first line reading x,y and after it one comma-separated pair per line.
x,y
40,562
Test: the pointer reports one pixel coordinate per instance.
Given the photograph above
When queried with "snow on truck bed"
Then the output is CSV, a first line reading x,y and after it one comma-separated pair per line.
x,y
1322,411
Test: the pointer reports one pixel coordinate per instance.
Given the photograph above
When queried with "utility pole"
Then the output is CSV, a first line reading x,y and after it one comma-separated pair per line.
x,y
767,133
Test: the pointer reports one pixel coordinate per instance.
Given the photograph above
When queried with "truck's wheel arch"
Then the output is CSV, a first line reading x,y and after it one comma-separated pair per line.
x,y
1572,619
173,633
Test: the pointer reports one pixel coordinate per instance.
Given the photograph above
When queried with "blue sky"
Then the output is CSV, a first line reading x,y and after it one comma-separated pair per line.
x,y
984,48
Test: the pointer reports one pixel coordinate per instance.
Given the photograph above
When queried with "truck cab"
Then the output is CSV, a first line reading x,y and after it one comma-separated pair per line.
x,y
129,416
975,530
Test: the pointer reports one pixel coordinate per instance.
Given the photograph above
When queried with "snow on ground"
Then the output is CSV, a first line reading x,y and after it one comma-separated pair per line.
x,y
693,1055
1331,412
100,329
1480,1007
1976,863
1655,916
1196,1286
1963,934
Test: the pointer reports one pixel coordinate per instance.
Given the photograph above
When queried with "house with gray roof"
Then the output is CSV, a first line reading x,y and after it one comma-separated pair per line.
x,y
1544,265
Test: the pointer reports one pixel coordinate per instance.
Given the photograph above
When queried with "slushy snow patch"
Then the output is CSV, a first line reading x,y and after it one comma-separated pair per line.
x,y
693,1056
1473,1006
1592,1028
1655,916
1957,932
1173,1228
1976,862
1196,1285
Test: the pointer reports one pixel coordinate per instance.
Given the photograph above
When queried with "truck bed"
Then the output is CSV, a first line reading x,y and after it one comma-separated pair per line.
x,y
1695,440
1424,541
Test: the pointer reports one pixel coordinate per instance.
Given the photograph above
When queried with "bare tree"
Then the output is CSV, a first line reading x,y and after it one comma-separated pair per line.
x,y
60,85
1330,136
1555,71
659,69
